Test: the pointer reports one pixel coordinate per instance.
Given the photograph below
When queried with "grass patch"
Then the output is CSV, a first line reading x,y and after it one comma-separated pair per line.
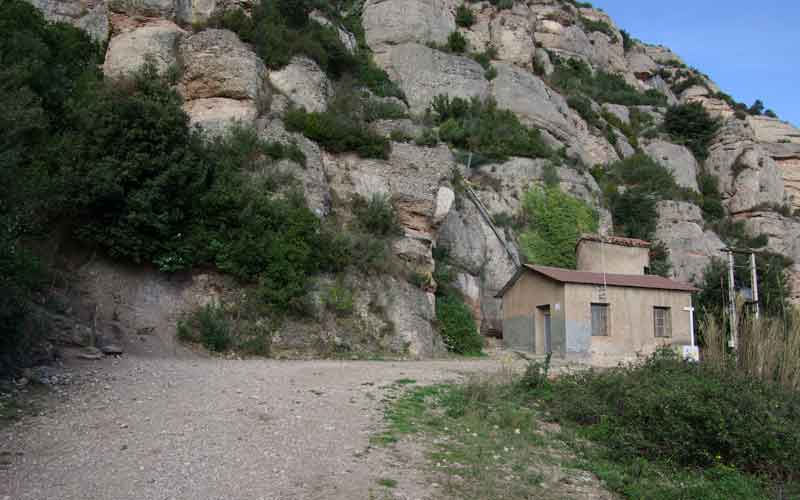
x,y
387,482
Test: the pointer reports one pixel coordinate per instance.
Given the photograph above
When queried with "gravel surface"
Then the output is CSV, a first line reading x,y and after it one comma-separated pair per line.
x,y
151,429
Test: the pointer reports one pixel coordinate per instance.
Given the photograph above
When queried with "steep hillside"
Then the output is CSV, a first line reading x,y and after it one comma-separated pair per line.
x,y
419,132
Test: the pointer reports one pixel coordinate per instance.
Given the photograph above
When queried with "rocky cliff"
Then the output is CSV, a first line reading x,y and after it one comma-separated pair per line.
x,y
755,159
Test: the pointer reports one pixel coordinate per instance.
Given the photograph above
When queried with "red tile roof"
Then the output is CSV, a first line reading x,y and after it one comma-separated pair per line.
x,y
587,278
615,240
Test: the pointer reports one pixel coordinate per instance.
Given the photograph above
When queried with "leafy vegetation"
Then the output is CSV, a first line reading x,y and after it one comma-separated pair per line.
x,y
456,43
455,321
343,126
573,77
377,215
553,223
282,29
600,26
690,124
209,326
481,127
42,66
464,16
645,183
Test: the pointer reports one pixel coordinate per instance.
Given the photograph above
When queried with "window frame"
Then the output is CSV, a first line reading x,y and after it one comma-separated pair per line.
x,y
666,320
606,308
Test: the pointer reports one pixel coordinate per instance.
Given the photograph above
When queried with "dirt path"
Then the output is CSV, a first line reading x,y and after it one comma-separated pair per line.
x,y
152,429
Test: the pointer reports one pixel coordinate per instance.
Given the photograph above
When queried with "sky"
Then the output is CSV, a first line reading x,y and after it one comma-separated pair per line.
x,y
749,48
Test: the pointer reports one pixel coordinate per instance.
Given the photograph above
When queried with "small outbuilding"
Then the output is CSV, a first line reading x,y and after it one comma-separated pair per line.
x,y
597,316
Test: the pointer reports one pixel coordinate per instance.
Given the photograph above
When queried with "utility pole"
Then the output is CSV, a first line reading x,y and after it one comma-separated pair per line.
x,y
733,342
754,283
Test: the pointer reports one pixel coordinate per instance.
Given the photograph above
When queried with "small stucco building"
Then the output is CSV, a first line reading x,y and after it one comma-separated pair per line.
x,y
609,310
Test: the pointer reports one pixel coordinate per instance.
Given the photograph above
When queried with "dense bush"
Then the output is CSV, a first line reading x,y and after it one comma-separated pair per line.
x,y
42,66
481,127
343,126
690,124
457,326
553,223
376,215
683,413
645,182
574,77
456,43
464,16
583,106
208,326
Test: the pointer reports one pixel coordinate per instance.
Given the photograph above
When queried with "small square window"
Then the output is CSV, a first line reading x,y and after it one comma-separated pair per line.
x,y
599,320
662,322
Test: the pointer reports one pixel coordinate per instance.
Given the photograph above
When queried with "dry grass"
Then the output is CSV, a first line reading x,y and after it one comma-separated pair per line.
x,y
769,348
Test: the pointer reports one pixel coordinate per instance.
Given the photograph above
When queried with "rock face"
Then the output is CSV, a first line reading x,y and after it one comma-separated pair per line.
x,y
223,80
423,73
395,22
749,177
539,106
90,16
677,159
784,238
156,42
217,64
304,83
691,248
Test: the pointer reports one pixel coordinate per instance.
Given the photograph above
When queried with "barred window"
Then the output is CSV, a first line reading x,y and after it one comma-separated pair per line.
x,y
600,320
662,322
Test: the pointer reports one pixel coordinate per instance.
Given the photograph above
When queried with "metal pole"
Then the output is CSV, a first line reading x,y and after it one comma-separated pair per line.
x,y
734,340
754,280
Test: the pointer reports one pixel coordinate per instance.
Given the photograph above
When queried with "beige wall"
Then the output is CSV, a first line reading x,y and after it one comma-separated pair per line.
x,y
523,300
631,323
601,257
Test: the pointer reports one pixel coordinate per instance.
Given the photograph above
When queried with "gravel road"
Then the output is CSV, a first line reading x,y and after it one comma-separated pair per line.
x,y
152,429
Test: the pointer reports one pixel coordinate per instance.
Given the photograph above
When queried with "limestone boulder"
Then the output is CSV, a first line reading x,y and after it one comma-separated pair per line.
x,y
215,115
677,159
512,36
787,157
641,64
196,11
167,9
537,105
156,42
88,15
483,260
662,55
423,73
217,64
690,247
396,22
773,130
757,182
304,83
412,313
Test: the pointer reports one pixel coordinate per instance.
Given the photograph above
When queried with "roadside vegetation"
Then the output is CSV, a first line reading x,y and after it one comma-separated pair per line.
x,y
662,429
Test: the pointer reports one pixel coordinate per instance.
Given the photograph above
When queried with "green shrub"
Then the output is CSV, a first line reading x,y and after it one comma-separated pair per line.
x,y
660,264
690,124
376,215
209,326
599,26
575,77
583,107
481,127
554,222
339,299
338,133
457,326
375,109
690,81
627,41
456,43
464,16
683,413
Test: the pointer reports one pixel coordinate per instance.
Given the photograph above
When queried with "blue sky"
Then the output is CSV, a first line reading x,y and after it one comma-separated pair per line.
x,y
749,48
